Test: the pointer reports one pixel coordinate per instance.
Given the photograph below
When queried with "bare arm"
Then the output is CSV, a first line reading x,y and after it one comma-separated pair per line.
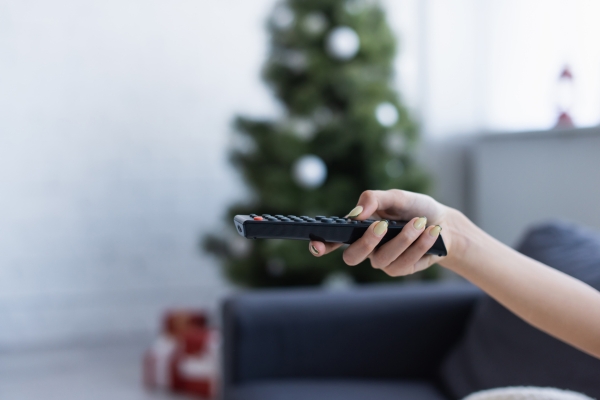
x,y
556,303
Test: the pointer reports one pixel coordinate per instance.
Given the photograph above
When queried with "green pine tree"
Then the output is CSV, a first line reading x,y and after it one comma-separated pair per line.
x,y
331,67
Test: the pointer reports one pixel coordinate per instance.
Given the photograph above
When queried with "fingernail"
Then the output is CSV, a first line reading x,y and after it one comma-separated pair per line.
x,y
314,249
435,231
420,223
355,212
380,228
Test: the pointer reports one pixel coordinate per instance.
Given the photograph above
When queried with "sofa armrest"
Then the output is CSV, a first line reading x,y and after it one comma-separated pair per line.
x,y
381,332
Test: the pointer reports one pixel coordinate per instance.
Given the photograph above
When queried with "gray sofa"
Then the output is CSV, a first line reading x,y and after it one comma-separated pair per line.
x,y
419,341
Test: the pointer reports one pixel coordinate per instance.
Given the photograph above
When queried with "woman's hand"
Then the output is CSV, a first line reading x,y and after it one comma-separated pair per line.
x,y
404,254
548,299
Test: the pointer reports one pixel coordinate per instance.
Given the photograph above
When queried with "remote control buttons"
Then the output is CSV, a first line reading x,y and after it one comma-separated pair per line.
x,y
326,220
340,220
257,218
320,217
393,223
252,215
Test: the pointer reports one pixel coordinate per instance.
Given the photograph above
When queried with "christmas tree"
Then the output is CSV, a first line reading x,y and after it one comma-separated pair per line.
x,y
344,131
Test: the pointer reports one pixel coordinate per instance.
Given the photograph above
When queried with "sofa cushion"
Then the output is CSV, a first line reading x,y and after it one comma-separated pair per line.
x,y
335,390
499,349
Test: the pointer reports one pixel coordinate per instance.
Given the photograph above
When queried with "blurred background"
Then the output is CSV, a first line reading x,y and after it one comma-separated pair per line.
x,y
117,126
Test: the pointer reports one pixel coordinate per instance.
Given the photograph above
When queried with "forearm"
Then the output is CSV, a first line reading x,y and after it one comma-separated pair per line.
x,y
556,303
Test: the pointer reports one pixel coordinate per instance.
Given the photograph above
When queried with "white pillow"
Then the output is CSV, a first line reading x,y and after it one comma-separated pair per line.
x,y
526,393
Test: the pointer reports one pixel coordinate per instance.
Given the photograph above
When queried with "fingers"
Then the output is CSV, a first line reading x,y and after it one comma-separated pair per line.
x,y
391,203
360,250
390,251
318,249
414,258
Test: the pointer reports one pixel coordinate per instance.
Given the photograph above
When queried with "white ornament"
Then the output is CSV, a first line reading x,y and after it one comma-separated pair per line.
x,y
394,168
282,17
387,114
303,128
394,142
323,116
315,23
309,171
343,43
354,6
294,60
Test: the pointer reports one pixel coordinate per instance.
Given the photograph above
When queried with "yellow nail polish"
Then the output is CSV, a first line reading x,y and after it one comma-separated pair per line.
x,y
435,231
420,223
355,212
314,249
380,228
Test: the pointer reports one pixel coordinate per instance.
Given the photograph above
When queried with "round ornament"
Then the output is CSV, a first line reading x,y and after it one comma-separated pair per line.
x,y
394,142
294,60
386,114
309,171
282,17
354,7
315,23
343,43
303,128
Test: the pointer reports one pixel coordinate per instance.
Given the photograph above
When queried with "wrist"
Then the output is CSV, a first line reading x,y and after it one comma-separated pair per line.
x,y
464,235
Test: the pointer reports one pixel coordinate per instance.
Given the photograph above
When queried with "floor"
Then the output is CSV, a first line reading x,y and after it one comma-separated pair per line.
x,y
106,371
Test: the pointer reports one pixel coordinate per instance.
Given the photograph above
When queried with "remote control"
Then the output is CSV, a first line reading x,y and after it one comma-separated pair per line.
x,y
320,228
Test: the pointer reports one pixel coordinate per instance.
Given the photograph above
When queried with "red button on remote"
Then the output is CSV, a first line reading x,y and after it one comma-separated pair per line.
x,y
258,218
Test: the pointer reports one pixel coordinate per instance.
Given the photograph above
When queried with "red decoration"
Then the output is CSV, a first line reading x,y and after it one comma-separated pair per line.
x,y
184,358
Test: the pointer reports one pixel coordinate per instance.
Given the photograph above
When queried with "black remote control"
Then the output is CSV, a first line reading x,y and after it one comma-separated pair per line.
x,y
320,228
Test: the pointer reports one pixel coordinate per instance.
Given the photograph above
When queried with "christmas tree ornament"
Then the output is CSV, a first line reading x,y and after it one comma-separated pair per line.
x,y
565,99
303,128
323,116
343,43
282,17
394,168
315,23
355,7
386,114
294,60
394,142
309,171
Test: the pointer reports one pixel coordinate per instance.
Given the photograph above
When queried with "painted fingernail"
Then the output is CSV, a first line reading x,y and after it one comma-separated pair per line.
x,y
355,212
435,231
420,223
314,250
380,228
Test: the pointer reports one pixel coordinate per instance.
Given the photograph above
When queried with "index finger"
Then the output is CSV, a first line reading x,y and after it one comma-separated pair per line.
x,y
388,204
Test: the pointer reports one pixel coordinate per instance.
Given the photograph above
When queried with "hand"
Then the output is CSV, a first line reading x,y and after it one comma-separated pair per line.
x,y
404,254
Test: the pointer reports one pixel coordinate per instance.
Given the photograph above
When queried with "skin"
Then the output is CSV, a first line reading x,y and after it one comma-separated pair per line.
x,y
553,302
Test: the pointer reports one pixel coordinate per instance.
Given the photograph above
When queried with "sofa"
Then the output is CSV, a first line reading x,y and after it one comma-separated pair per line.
x,y
428,341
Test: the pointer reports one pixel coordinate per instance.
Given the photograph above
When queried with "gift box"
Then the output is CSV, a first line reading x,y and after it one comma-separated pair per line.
x,y
184,358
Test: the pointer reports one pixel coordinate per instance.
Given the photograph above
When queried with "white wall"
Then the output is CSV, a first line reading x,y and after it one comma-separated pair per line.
x,y
524,179
114,118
